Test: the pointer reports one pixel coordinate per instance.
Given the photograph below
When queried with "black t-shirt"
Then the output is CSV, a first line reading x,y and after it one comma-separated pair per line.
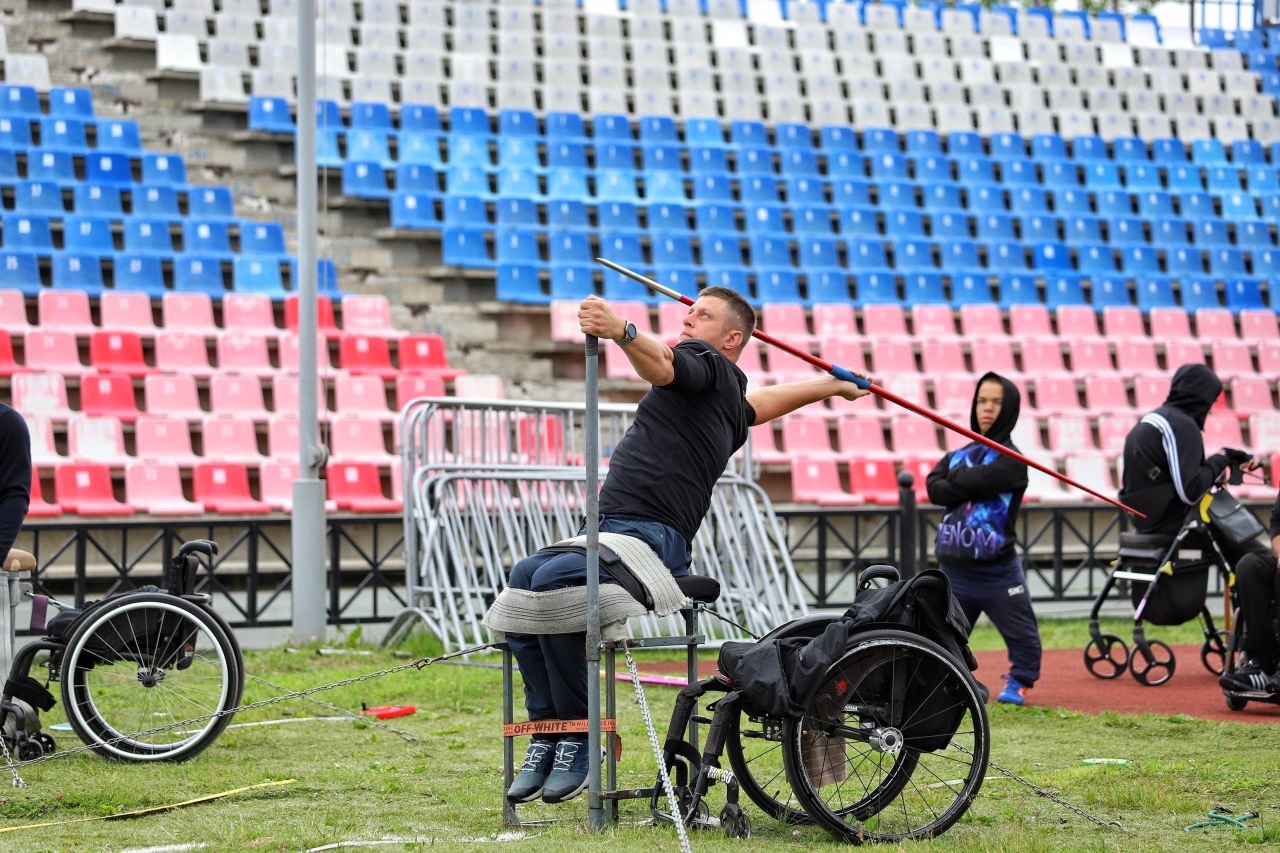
x,y
15,476
675,450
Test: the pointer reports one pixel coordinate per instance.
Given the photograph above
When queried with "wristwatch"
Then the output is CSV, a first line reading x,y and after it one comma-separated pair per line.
x,y
628,335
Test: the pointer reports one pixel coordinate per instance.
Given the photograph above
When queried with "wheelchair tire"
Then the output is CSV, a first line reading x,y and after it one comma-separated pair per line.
x,y
754,749
144,661
876,782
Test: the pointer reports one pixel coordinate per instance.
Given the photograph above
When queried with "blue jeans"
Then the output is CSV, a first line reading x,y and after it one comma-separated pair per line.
x,y
554,666
1001,592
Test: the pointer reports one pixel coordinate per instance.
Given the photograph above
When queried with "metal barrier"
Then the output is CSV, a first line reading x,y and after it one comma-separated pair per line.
x,y
488,482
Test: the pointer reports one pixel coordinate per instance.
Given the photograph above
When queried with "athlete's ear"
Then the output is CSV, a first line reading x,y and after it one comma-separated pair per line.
x,y
733,339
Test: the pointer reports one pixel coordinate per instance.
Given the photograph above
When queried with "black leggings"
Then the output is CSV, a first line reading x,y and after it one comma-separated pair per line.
x,y
1257,589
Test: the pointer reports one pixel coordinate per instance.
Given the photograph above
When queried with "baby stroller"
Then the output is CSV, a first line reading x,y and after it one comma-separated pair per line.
x,y
130,667
889,704
1168,580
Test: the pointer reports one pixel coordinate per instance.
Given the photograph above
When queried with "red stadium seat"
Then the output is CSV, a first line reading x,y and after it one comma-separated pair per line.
x,y
172,394
1231,359
785,321
1090,355
1113,430
481,436
764,446
1041,488
887,321
1026,435
108,394
1150,391
830,320
785,367
164,437
890,356
230,438
1178,353
1042,357
286,395
1264,430
275,482
13,312
1029,321
39,507
843,352
190,312
249,312
1070,434
1135,357
953,396
362,355
1258,325
634,312
368,314
540,440
86,489
1223,431
1215,324
182,352
127,311
875,479
357,486
155,487
807,435
1122,321
223,487
119,352
1250,394
1077,321
670,321
1104,393
354,438
1170,323
65,311
920,467
565,328
981,322
41,393
1092,470
52,351
8,364
284,437
933,322
237,394
818,481
912,434
325,323
96,440
909,388
617,365
244,352
993,356
859,437
290,355
1269,360
44,450
410,386
363,395
940,357
426,354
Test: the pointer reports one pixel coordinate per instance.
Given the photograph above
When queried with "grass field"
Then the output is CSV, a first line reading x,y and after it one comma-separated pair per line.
x,y
354,782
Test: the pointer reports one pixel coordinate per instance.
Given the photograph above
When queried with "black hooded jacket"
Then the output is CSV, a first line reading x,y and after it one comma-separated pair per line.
x,y
981,489
1165,469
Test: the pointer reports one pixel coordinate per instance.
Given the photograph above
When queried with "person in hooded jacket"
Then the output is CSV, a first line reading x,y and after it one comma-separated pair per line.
x,y
981,489
1166,472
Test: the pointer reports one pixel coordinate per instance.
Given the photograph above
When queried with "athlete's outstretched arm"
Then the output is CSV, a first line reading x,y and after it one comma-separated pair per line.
x,y
651,358
775,401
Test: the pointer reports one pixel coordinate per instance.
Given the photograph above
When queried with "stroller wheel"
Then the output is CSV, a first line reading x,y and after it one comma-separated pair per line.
x,y
1106,656
29,750
1213,654
1154,665
47,743
1235,703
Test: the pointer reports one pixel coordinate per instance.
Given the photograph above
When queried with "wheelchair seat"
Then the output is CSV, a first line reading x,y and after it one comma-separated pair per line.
x,y
1145,541
700,588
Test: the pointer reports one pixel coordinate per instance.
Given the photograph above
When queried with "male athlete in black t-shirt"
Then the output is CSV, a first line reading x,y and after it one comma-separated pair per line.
x,y
661,477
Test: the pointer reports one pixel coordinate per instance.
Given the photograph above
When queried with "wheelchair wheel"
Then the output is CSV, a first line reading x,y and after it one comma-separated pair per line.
x,y
1106,656
894,746
1213,653
144,661
754,748
1156,669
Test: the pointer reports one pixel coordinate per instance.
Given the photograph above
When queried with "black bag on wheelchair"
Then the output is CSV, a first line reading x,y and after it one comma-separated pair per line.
x,y
1231,520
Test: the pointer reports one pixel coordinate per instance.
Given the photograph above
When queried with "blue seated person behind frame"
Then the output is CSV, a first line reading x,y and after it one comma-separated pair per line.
x,y
661,477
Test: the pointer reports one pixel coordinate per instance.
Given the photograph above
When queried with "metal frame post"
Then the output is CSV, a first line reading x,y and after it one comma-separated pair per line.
x,y
591,427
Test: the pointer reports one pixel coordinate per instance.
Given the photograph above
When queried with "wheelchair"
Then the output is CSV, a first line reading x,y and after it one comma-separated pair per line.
x,y
130,667
893,707
1168,579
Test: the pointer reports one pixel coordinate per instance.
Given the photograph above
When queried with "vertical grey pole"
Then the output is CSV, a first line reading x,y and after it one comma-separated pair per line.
x,y
591,446
308,533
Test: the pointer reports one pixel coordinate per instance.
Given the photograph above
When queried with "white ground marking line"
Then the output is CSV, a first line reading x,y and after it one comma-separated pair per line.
x,y
422,839
170,848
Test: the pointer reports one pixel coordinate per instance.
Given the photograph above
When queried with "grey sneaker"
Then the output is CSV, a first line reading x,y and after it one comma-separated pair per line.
x,y
568,776
530,781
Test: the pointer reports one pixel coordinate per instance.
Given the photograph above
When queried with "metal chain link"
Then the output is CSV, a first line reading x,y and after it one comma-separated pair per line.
x,y
18,781
672,803
407,736
1044,793
419,664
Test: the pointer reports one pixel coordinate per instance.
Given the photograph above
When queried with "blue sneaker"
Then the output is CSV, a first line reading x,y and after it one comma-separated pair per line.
x,y
568,776
1014,693
532,778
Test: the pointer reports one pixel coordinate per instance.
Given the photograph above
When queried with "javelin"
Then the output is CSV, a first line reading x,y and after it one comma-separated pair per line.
x,y
849,376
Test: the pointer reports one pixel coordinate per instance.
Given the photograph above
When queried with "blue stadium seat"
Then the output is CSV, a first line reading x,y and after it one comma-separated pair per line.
x,y
720,251
897,195
933,169
1142,177
799,163
119,135
704,132
1025,201
1168,151
890,167
1126,231
665,187
1210,233
567,215
569,184
261,238
734,279
964,144
1227,263
1019,173
564,126
155,202
876,288
1059,174
1082,229
623,249
15,132
520,183
850,193
519,283
38,197
270,115
866,254
1184,262
609,127
78,272
1248,152
90,235
846,164
21,101
98,200
658,130
461,210
915,255
367,145
110,167
138,273
147,237
999,226
199,274
210,203
467,180
512,212
814,220
206,237
1114,203
257,275
765,219
63,134
1039,229
1183,179
517,247
713,189
958,255
566,154
9,166
517,123
1196,206
1208,152
413,211
745,134
1254,235
58,166
923,143
704,160
1243,293
924,288
803,191
655,158
616,155
1155,293
1130,150
759,189
715,219
1051,256
905,224
985,199
828,286
790,136
1239,207
1097,259
1168,232
1085,149
421,149
1048,146
369,115
470,121
70,101
469,151
328,114
1155,205
681,279
166,169
618,287
833,138
1018,289
818,253
1062,290
1198,293
1102,176
1006,256
947,225
878,141
1266,264
464,247
859,222
672,250
1109,290
619,217
364,180
755,161
1008,146
970,288
777,285
327,154
1263,179
572,282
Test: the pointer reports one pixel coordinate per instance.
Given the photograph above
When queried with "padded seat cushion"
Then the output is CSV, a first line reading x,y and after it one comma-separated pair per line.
x,y
700,588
